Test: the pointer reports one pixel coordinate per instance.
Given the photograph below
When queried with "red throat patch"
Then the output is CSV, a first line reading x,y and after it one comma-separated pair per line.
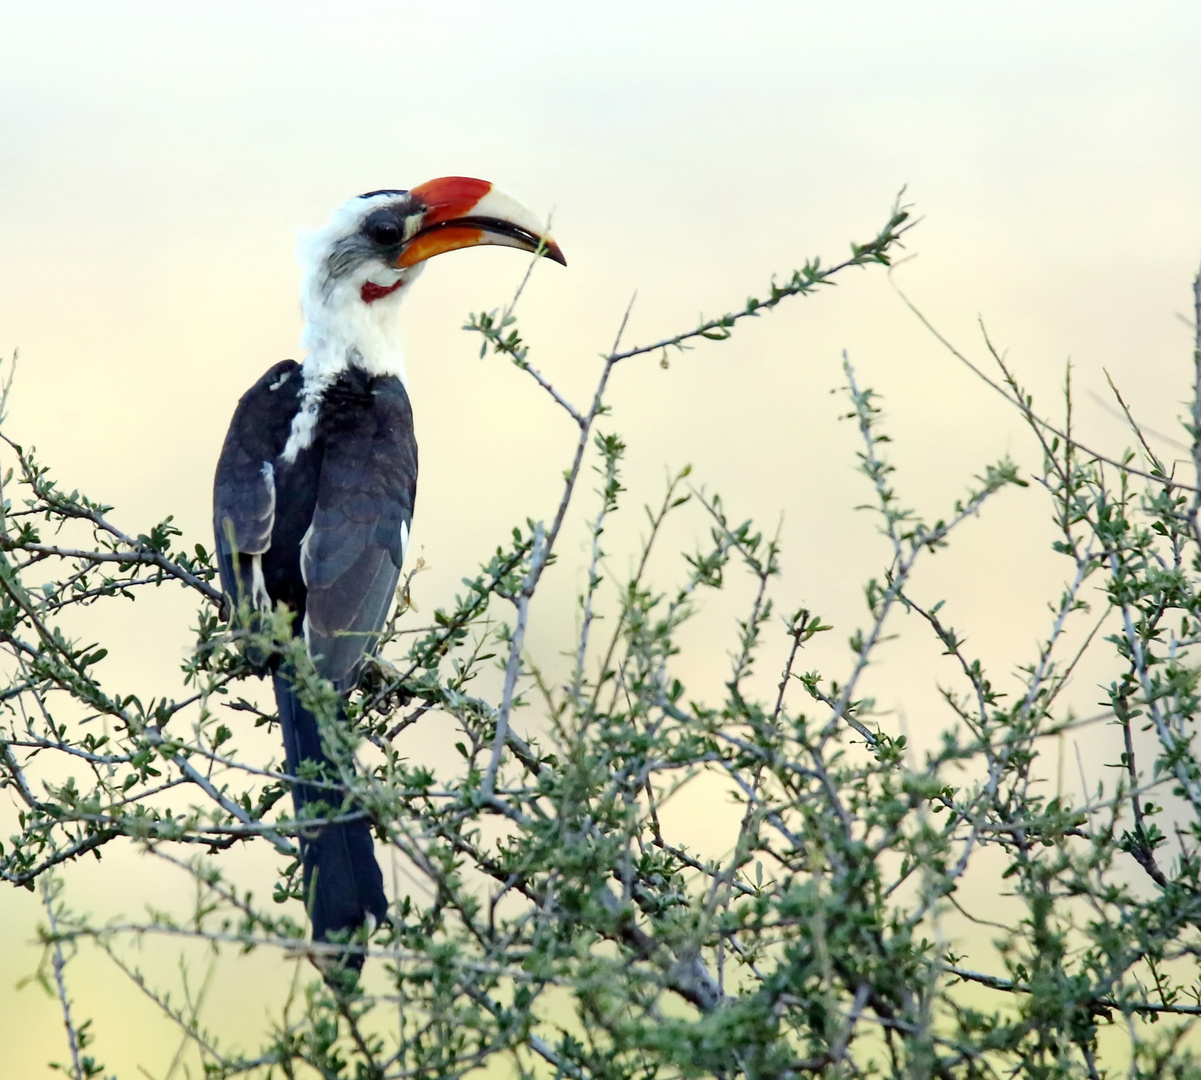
x,y
371,292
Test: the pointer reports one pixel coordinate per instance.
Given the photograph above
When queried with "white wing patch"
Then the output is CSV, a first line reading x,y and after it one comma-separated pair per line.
x,y
304,564
269,479
260,600
404,539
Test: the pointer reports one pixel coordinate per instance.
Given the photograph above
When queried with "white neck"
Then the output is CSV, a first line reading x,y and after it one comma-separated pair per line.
x,y
341,330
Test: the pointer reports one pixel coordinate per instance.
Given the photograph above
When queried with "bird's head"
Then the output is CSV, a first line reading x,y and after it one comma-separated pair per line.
x,y
357,268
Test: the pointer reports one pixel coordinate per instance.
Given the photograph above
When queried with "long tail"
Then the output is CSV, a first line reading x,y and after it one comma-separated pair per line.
x,y
342,881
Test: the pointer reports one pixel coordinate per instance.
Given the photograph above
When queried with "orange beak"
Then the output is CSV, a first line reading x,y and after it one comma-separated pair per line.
x,y
464,212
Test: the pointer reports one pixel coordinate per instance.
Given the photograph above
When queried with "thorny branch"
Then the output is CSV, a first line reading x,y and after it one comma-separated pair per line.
x,y
552,905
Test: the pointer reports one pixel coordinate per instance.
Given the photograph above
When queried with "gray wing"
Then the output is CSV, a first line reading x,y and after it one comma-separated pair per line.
x,y
244,487
352,553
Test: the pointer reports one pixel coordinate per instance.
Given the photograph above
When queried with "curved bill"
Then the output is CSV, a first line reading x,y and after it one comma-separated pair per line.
x,y
464,212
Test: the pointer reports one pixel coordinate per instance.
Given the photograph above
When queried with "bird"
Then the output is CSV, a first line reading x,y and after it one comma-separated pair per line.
x,y
314,493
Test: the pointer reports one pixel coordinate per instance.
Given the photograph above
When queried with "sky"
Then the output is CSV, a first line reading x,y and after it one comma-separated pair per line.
x,y
157,160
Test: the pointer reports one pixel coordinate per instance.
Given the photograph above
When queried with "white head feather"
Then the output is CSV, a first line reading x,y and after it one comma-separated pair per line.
x,y
340,329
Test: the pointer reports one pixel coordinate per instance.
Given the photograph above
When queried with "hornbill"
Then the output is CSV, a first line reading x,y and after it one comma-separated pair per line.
x,y
313,498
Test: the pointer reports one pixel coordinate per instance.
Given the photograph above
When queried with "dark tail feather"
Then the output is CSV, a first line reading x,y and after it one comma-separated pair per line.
x,y
342,881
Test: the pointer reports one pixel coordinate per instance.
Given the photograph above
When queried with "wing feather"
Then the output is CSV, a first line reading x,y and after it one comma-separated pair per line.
x,y
353,551
244,491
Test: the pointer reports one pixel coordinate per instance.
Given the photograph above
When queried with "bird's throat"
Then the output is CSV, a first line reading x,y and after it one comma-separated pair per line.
x,y
371,292
344,326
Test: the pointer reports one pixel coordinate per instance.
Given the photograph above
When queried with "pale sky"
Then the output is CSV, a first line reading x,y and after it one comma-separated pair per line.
x,y
156,161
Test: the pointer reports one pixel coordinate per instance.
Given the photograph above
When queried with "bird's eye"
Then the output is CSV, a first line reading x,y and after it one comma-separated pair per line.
x,y
383,229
